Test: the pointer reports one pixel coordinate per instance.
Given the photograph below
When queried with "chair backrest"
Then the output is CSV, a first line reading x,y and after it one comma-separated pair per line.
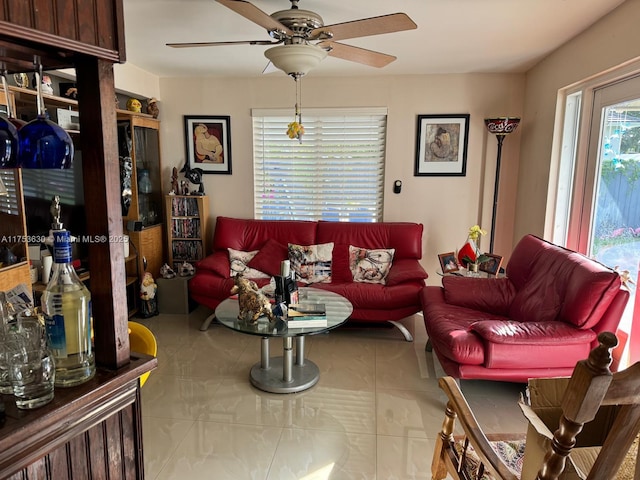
x,y
591,387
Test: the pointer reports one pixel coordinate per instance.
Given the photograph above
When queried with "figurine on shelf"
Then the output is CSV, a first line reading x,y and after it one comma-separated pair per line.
x,y
152,107
167,272
194,175
134,105
186,269
174,182
149,303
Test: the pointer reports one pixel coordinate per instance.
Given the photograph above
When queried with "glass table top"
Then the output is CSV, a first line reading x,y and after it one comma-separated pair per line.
x,y
338,310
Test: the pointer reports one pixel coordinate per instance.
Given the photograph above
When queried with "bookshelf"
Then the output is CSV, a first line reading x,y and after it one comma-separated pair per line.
x,y
187,220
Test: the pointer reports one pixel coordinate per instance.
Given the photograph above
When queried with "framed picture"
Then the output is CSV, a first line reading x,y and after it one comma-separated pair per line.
x,y
441,145
448,262
491,266
208,143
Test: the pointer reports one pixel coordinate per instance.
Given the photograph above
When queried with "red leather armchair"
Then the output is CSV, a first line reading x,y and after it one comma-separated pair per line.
x,y
538,321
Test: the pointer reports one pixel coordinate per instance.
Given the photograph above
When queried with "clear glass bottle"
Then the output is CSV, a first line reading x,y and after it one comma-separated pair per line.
x,y
66,303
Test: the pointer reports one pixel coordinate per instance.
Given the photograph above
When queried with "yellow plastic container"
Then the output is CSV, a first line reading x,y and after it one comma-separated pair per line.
x,y
142,340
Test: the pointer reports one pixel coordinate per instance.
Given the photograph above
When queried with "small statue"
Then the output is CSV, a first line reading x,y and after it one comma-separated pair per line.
x,y
184,187
149,303
186,269
152,107
252,302
194,175
55,213
166,271
174,182
134,105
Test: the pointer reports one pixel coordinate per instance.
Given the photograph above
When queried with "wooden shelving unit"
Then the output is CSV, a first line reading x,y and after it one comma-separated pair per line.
x,y
187,233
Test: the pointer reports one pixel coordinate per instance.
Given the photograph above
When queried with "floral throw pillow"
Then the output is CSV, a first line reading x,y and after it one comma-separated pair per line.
x,y
312,263
239,261
370,266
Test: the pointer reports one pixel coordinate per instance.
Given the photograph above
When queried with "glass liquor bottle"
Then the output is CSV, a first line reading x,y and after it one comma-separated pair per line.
x,y
66,303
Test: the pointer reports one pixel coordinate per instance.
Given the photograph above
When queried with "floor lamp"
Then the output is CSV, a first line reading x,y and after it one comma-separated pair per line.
x,y
500,127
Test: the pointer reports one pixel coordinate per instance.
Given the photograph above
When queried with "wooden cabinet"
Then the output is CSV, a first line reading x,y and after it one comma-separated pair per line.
x,y
94,429
139,144
187,232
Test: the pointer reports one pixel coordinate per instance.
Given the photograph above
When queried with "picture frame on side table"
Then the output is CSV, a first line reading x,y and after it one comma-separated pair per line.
x,y
448,262
491,266
208,143
441,145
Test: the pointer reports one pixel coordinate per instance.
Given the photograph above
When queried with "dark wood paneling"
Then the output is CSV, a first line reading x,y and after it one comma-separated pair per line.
x,y
67,19
44,15
20,13
80,452
87,21
104,32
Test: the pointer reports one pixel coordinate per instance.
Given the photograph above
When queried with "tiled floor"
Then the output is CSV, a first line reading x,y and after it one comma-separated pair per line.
x,y
374,413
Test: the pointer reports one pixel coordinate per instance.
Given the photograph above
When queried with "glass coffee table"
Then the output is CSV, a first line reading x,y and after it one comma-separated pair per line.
x,y
281,374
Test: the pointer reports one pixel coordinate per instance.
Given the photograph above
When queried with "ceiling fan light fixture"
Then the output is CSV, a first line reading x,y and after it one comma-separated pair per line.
x,y
296,60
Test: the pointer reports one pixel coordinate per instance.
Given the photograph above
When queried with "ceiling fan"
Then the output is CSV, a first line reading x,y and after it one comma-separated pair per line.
x,y
303,40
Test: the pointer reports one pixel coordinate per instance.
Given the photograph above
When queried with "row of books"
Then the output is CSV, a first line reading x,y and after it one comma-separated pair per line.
x,y
184,207
189,250
185,228
306,315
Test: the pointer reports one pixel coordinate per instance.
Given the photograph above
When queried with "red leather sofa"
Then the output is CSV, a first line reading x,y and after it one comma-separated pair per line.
x,y
398,298
538,321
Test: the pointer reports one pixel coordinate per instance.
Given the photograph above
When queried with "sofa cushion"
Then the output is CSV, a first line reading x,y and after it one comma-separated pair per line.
x,y
238,261
374,296
269,257
217,262
492,295
312,263
404,237
405,270
370,266
532,333
249,234
554,283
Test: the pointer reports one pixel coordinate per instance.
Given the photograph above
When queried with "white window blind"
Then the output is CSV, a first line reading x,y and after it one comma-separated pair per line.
x,y
9,203
45,184
335,174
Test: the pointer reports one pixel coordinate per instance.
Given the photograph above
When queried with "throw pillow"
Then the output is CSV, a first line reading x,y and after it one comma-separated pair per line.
x,y
269,258
370,266
312,263
239,260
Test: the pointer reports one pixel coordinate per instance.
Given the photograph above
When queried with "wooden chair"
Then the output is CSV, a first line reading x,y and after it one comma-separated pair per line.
x,y
591,386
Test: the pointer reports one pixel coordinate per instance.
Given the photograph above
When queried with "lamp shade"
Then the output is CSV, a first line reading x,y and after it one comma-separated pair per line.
x,y
296,59
502,125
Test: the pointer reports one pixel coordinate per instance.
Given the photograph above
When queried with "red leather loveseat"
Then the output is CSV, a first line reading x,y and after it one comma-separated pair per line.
x,y
399,297
538,321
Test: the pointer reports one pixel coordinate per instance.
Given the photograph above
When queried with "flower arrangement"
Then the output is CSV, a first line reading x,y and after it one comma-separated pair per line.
x,y
470,254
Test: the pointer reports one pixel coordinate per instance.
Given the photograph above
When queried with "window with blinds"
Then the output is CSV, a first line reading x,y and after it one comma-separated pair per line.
x,y
336,173
66,184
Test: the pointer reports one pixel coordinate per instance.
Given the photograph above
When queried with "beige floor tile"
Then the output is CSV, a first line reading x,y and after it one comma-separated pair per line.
x,y
409,413
404,458
223,451
308,454
161,436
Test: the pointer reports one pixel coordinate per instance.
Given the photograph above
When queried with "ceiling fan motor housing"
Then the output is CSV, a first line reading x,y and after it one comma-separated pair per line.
x,y
301,22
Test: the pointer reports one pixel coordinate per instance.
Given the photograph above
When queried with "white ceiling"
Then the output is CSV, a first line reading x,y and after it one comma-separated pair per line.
x,y
453,36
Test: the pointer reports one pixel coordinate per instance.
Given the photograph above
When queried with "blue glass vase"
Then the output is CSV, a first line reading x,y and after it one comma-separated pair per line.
x,y
8,143
43,144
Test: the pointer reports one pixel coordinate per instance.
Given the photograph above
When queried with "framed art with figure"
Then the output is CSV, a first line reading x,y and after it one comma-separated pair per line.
x,y
491,266
208,143
441,145
448,262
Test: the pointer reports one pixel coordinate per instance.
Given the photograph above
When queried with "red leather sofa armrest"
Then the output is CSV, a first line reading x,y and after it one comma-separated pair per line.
x,y
491,295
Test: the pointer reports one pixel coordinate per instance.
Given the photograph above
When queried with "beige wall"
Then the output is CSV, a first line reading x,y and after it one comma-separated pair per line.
x,y
612,41
447,206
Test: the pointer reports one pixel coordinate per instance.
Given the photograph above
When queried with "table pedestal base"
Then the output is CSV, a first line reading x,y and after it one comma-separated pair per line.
x,y
272,379
280,374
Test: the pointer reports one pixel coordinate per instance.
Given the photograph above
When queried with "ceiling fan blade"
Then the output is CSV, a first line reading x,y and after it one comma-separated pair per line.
x,y
254,14
357,54
395,22
215,44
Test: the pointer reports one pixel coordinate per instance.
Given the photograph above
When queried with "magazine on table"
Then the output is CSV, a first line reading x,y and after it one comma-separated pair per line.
x,y
303,315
